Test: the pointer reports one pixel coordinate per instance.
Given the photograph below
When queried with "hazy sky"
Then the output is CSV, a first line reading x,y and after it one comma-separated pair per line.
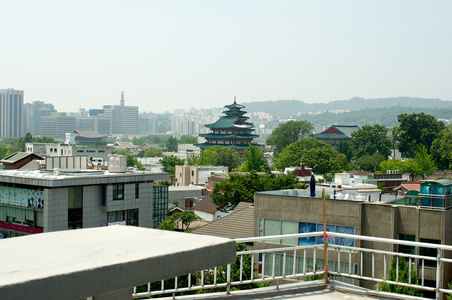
x,y
181,54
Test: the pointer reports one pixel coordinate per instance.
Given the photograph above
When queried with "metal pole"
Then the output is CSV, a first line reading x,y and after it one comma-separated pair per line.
x,y
325,243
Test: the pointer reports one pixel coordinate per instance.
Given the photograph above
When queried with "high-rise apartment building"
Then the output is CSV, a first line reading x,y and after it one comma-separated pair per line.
x,y
11,113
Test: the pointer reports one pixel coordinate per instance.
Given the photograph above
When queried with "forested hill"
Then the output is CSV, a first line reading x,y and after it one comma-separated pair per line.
x,y
290,108
382,116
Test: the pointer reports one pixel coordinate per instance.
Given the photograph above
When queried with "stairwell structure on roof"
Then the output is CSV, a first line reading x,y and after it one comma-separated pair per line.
x,y
232,130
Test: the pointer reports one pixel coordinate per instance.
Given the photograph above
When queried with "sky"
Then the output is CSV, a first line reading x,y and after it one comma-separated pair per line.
x,y
168,55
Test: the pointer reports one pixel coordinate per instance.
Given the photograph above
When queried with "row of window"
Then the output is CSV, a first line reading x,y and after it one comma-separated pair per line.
x,y
277,227
118,191
422,251
91,151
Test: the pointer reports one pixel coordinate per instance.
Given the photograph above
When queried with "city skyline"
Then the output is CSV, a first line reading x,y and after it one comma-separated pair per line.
x,y
170,55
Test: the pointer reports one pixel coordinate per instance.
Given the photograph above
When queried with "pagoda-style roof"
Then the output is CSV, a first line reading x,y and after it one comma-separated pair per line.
x,y
235,124
233,146
230,122
225,136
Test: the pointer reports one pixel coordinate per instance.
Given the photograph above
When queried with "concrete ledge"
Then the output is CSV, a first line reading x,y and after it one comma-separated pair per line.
x,y
81,263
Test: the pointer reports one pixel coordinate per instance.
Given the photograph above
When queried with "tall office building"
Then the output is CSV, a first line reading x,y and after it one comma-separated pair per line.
x,y
124,119
11,113
33,112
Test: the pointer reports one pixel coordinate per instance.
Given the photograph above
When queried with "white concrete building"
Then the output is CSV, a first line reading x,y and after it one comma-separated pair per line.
x,y
197,175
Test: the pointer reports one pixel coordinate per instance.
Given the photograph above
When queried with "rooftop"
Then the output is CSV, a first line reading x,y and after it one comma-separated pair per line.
x,y
50,178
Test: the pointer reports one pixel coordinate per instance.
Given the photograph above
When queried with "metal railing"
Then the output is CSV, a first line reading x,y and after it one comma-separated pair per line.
x,y
276,262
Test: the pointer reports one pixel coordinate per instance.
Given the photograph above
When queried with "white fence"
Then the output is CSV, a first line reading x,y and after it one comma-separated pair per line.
x,y
293,262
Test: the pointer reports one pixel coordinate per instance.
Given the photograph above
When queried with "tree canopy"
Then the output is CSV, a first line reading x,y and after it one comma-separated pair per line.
x,y
169,164
403,275
150,152
442,148
171,144
291,155
369,140
415,129
319,156
179,221
254,160
229,193
219,156
288,133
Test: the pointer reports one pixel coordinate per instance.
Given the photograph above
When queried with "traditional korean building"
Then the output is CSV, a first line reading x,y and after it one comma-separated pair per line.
x,y
232,130
335,134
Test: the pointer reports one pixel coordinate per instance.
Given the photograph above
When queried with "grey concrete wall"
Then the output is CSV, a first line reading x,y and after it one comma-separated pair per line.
x,y
94,215
143,203
55,209
371,219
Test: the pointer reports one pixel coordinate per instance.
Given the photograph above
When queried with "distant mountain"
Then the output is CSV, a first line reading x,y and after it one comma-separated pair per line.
x,y
370,116
291,108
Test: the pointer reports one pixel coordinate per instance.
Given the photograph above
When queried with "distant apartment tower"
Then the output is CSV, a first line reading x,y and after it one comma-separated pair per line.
x,y
123,119
33,113
11,113
182,125
147,123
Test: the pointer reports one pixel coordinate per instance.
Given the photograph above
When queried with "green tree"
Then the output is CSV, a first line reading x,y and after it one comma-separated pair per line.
x,y
179,221
186,139
236,273
220,156
288,133
344,148
150,152
27,138
370,162
392,164
415,129
169,164
192,159
403,277
229,193
291,155
424,163
254,160
171,144
369,140
442,148
44,139
132,162
324,160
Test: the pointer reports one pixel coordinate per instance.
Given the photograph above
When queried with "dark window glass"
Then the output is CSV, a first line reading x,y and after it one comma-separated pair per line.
x,y
404,248
428,252
118,191
137,190
75,207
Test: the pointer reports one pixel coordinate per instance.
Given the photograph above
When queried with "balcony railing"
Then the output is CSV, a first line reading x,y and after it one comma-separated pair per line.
x,y
276,262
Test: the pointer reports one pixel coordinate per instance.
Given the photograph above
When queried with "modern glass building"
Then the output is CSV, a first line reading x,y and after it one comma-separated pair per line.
x,y
160,212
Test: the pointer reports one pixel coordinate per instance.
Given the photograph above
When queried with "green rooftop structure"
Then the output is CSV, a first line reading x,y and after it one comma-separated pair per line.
x,y
232,130
335,134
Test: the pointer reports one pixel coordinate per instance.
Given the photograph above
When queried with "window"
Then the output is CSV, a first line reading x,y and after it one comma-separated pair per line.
x,y
404,248
75,207
137,190
428,252
118,191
